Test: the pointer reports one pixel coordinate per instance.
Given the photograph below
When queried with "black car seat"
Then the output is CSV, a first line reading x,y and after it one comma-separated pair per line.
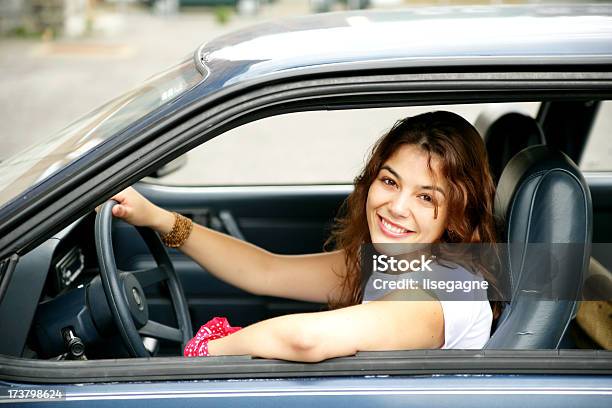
x,y
508,135
543,199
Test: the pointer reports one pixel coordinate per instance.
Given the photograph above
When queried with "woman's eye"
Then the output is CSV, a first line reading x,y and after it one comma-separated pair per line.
x,y
388,181
426,197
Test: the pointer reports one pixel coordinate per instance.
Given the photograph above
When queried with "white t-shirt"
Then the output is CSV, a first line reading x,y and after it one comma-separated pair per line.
x,y
467,324
467,315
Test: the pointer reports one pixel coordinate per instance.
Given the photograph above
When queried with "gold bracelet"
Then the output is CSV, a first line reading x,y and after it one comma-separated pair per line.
x,y
180,231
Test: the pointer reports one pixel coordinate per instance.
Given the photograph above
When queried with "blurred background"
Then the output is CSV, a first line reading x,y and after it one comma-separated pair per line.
x,y
59,59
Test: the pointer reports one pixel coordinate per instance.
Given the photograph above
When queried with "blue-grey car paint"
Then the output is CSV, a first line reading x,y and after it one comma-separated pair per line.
x,y
418,37
455,391
358,42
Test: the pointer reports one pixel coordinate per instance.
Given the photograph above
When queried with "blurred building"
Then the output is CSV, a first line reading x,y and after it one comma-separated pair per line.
x,y
67,17
11,13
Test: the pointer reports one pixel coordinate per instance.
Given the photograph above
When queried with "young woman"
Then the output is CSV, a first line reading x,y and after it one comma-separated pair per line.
x,y
426,181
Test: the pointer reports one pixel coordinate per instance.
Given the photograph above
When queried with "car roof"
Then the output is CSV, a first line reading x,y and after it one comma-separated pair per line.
x,y
415,37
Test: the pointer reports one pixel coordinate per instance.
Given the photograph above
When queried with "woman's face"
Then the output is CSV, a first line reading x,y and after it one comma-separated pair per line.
x,y
400,205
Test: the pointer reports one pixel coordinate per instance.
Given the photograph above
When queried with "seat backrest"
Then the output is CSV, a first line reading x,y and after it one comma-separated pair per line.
x,y
508,135
542,198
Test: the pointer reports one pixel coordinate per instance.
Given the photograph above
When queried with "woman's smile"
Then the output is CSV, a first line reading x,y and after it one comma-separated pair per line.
x,y
391,229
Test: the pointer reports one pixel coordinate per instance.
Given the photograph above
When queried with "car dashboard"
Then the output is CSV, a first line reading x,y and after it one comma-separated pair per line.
x,y
44,292
74,261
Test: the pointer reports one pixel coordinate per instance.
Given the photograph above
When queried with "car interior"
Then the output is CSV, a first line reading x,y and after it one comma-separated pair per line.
x,y
65,315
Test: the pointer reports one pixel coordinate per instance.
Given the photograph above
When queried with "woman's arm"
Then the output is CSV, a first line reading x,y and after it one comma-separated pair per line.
x,y
314,277
246,266
312,337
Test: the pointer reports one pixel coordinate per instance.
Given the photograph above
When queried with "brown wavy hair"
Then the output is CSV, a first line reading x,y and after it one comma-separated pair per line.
x,y
464,164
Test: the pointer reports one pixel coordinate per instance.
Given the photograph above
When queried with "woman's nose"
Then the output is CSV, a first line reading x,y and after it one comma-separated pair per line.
x,y
400,206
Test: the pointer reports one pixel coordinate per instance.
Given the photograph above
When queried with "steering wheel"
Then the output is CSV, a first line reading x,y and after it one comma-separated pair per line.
x,y
124,289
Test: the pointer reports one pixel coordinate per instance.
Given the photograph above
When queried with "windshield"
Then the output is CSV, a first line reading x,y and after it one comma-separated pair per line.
x,y
41,160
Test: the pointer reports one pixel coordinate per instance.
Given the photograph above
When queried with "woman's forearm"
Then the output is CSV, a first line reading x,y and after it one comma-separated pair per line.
x,y
390,324
234,261
280,337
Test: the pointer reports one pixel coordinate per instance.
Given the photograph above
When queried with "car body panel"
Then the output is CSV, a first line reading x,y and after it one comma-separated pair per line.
x,y
437,391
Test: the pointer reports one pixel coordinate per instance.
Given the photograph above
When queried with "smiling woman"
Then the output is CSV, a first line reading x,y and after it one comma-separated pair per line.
x,y
419,186
426,181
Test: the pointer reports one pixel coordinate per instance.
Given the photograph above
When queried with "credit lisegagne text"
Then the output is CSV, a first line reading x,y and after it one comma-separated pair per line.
x,y
449,286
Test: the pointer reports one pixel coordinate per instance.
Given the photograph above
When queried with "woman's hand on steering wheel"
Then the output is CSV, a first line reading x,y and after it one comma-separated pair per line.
x,y
124,290
136,210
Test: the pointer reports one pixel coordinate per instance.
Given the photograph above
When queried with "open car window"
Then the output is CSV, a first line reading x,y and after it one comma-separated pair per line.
x,y
316,147
596,156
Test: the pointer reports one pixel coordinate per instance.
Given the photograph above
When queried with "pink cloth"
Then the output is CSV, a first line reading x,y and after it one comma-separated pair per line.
x,y
216,328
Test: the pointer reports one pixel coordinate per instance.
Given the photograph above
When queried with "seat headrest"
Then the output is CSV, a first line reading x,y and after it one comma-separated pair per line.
x,y
543,197
508,135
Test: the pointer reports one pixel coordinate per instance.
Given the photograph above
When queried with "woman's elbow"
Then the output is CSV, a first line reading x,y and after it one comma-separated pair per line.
x,y
308,346
304,346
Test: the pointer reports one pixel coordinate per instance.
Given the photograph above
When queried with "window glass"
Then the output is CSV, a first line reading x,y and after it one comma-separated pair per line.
x,y
321,147
43,158
598,150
